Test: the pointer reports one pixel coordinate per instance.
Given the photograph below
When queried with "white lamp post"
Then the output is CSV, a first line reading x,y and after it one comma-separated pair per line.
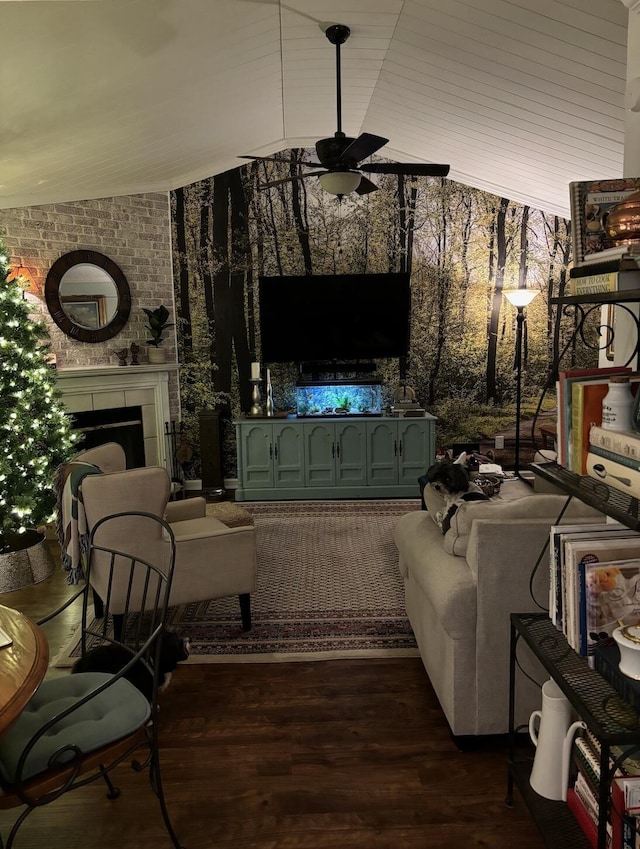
x,y
520,298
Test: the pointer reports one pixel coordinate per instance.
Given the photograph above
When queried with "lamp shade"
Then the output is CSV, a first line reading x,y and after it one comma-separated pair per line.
x,y
520,297
340,182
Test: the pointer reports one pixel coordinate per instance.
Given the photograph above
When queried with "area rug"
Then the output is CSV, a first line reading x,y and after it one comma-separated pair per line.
x,y
328,587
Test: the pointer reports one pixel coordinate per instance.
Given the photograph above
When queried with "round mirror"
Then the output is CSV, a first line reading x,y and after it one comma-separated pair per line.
x,y
88,296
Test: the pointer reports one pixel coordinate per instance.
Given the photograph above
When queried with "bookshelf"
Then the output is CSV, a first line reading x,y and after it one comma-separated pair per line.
x,y
610,718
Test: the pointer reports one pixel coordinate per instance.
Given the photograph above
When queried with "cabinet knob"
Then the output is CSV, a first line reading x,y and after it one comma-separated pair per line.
x,y
270,451
400,448
395,447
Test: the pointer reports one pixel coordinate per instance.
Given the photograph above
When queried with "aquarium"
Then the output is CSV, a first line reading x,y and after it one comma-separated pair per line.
x,y
333,398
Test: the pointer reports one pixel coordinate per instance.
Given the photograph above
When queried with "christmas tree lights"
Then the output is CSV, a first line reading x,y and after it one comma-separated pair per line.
x,y
35,433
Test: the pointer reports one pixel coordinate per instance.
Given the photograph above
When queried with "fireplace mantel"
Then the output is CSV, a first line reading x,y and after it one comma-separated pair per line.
x,y
109,387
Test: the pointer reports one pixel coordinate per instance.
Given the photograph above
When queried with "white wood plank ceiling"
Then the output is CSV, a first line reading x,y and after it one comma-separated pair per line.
x,y
101,98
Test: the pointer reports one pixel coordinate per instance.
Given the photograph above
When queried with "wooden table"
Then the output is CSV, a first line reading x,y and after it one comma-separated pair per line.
x,y
22,665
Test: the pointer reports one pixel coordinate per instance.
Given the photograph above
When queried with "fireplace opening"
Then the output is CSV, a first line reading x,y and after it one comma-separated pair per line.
x,y
120,424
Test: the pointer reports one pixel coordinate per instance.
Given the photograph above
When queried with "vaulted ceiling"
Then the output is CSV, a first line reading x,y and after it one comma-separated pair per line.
x,y
101,98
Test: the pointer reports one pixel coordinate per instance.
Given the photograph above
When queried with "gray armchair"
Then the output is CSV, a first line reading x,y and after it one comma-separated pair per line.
x,y
212,560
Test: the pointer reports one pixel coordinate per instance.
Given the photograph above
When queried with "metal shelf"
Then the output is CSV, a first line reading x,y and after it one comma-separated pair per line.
x,y
612,502
625,297
557,825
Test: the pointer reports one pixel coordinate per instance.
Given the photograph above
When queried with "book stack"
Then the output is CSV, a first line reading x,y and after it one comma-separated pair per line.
x,y
614,457
583,796
580,393
594,582
591,201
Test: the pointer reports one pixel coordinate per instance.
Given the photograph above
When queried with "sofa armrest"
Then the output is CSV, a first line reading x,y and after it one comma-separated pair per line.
x,y
188,508
503,557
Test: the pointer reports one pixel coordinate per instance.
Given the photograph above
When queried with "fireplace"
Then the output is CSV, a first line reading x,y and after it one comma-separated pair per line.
x,y
121,394
119,424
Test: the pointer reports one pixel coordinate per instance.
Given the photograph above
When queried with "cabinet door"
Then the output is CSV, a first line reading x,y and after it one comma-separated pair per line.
x,y
382,453
416,439
288,455
319,454
351,454
257,455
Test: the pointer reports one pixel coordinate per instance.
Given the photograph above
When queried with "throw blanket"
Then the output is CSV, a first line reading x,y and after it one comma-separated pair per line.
x,y
72,531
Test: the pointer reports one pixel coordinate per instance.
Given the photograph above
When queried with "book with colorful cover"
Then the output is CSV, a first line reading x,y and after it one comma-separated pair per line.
x,y
565,380
586,410
558,535
590,202
575,805
622,544
612,595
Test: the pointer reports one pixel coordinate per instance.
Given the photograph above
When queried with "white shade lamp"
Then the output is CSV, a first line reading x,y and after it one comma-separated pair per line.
x,y
340,182
519,298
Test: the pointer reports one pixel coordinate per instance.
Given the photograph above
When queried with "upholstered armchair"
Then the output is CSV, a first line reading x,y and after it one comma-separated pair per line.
x,y
212,560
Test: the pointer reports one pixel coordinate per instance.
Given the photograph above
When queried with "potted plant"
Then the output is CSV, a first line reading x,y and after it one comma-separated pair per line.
x,y
157,325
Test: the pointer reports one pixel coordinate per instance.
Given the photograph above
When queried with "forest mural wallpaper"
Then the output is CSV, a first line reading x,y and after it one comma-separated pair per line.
x,y
462,247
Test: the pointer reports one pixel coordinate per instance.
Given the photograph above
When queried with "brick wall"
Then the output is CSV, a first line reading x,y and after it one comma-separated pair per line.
x,y
134,231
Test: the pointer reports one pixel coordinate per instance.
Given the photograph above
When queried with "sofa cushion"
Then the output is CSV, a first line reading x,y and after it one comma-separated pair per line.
x,y
528,507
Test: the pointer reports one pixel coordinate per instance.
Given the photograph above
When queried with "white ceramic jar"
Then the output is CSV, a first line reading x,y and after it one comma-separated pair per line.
x,y
617,404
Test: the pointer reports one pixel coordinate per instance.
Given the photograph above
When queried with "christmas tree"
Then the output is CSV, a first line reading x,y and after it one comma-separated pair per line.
x,y
35,433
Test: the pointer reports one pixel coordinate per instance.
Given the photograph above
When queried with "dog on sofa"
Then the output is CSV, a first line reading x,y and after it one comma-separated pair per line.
x,y
451,480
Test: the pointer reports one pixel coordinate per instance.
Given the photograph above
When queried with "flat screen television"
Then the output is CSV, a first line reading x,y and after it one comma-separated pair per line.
x,y
324,317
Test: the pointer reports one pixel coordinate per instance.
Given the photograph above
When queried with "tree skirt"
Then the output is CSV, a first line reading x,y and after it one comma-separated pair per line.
x,y
328,587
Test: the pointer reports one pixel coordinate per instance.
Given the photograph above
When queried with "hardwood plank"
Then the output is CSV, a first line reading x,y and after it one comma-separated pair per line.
x,y
340,754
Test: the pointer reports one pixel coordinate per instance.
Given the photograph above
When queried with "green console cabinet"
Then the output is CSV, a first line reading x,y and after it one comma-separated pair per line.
x,y
298,458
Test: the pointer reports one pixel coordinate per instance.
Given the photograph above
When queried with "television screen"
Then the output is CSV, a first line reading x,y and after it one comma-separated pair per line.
x,y
334,317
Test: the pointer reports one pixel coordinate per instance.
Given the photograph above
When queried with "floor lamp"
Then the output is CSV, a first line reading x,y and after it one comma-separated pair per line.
x,y
519,298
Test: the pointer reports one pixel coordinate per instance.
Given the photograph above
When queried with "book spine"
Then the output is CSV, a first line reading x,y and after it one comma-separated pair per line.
x,y
614,475
582,817
575,445
593,283
629,462
625,443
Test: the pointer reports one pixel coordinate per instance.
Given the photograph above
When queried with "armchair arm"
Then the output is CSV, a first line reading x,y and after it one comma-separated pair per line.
x,y
188,508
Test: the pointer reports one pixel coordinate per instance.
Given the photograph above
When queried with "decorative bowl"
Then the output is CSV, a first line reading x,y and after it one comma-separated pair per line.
x,y
489,484
628,639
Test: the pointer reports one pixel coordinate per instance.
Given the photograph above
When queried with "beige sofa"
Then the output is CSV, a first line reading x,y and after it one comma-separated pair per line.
x,y
460,589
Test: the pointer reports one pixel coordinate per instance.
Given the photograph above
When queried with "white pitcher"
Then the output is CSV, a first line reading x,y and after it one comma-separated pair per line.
x,y
553,740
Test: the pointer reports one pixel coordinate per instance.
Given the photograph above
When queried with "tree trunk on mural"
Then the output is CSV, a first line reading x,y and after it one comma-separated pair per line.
x,y
496,300
443,279
184,307
522,277
221,313
241,275
302,226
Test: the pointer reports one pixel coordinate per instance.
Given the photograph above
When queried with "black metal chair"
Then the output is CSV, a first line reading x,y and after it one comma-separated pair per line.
x,y
79,727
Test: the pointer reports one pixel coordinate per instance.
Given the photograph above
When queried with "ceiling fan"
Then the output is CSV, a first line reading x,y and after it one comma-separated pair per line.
x,y
340,156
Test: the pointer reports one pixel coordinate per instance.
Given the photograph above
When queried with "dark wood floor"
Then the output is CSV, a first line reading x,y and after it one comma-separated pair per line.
x,y
319,755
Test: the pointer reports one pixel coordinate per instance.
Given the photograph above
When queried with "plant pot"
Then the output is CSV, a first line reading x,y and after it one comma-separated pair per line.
x,y
157,355
25,560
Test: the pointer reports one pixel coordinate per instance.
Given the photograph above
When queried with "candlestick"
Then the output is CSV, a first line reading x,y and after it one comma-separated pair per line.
x,y
256,408
269,395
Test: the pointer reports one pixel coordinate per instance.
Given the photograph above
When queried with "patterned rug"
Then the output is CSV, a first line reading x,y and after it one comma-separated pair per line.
x,y
328,587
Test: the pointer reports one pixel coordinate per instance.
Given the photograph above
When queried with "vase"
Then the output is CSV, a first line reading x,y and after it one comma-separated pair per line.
x,y
25,560
157,355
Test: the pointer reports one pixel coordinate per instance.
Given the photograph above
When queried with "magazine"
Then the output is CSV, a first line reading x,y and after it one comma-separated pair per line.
x,y
612,596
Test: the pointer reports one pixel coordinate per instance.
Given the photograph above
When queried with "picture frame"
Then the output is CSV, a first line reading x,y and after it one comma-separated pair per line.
x,y
87,311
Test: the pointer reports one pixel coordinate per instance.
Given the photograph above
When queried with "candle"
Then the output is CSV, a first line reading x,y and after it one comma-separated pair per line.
x,y
255,371
268,377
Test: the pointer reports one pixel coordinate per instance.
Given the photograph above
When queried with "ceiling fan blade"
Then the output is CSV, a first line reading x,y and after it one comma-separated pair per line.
x,y
290,179
413,169
365,145
281,160
366,186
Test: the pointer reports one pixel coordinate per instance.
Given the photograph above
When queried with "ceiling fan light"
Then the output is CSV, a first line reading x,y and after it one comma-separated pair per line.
x,y
340,182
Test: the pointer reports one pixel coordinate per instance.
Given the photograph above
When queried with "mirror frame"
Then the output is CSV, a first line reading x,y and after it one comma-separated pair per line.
x,y
54,303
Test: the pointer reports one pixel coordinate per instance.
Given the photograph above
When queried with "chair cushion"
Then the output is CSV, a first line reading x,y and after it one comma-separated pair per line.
x,y
115,713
